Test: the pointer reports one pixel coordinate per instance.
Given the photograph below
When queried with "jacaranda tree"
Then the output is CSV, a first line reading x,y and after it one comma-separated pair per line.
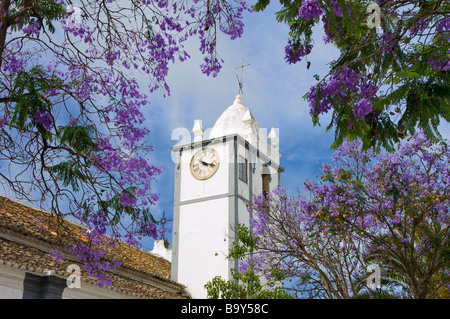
x,y
71,135
246,281
392,75
390,209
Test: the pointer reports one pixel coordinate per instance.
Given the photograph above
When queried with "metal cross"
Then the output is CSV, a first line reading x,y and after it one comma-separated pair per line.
x,y
242,70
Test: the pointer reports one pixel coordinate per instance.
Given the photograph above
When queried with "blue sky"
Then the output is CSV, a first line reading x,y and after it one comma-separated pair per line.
x,y
272,90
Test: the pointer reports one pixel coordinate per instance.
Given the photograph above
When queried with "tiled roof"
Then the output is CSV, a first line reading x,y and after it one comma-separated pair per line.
x,y
36,226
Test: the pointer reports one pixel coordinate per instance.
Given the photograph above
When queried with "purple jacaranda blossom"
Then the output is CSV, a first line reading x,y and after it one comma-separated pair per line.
x,y
340,86
44,118
294,54
310,9
97,109
362,108
380,206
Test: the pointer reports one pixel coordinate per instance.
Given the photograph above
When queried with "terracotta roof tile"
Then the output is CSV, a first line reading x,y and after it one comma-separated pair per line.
x,y
39,225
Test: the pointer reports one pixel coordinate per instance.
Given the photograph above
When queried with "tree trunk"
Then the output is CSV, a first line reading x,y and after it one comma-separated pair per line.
x,y
4,9
7,21
421,290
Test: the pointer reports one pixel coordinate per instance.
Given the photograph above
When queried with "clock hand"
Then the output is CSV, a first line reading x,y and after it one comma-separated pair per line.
x,y
207,164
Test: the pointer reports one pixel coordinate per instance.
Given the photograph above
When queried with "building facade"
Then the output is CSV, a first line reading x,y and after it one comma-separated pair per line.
x,y
27,271
215,179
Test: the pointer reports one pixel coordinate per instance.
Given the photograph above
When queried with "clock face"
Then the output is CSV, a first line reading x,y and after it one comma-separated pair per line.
x,y
204,163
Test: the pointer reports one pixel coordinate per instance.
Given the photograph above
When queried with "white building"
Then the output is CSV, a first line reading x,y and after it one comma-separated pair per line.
x,y
28,271
215,178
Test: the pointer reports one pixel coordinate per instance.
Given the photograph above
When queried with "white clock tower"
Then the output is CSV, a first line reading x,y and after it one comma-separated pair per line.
x,y
215,178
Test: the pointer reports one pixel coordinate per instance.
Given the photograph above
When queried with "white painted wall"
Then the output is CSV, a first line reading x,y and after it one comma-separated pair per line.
x,y
206,214
192,188
203,244
11,282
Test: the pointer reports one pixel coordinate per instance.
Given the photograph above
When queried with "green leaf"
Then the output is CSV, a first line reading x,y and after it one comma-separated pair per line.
x,y
69,172
261,5
78,137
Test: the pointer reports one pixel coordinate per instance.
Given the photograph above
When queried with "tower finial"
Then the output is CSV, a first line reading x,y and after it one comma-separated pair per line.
x,y
198,130
240,80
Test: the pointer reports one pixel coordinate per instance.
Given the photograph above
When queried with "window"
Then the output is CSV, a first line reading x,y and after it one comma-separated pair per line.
x,y
266,184
243,163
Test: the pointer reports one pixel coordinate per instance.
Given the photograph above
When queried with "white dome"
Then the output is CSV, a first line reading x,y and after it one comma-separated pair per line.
x,y
237,119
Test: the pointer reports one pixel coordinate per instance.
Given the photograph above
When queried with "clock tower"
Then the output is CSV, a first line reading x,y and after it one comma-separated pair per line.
x,y
215,179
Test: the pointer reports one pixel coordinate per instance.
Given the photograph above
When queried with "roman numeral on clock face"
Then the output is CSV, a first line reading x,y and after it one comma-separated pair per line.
x,y
204,164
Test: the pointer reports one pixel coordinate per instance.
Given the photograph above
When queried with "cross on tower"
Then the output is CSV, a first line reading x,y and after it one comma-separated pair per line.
x,y
242,70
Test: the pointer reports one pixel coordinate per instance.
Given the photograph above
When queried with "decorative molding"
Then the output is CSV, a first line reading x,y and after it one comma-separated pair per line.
x,y
166,285
229,138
